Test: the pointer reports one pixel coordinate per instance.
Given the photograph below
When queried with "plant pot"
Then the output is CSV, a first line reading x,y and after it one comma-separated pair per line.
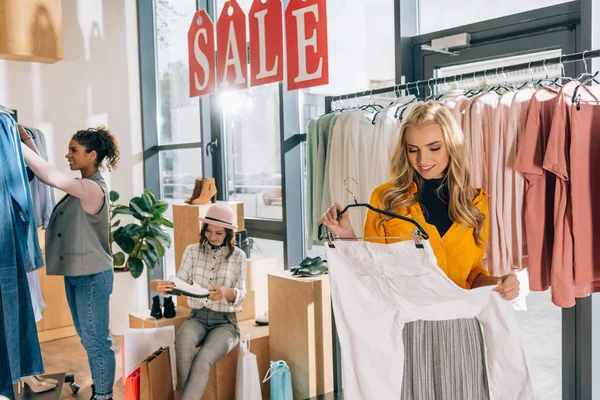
x,y
123,301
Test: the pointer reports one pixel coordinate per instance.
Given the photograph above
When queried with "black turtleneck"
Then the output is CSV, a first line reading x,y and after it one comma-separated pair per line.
x,y
434,203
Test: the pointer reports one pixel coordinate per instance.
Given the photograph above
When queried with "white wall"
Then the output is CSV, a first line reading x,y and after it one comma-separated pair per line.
x,y
97,83
437,15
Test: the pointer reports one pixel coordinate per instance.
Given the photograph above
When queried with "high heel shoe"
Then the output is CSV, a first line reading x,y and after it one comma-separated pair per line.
x,y
36,385
47,380
207,193
196,192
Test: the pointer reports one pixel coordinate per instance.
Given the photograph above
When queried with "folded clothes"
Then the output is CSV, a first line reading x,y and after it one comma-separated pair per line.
x,y
183,288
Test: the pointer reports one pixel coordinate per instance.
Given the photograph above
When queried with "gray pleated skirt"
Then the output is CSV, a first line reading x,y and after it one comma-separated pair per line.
x,y
444,360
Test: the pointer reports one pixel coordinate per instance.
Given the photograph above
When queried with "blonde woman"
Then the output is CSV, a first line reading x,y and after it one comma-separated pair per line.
x,y
443,359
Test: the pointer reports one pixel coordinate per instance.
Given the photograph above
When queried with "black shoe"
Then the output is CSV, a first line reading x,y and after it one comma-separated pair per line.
x,y
316,269
156,312
169,307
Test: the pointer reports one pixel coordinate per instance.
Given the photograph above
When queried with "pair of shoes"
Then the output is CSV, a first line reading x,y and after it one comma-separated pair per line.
x,y
183,288
37,385
205,190
168,305
262,320
310,267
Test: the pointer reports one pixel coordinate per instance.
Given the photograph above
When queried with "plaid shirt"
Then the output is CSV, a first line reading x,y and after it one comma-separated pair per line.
x,y
211,269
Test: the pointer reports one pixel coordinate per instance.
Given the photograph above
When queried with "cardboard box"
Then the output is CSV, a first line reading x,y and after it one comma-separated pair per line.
x,y
300,331
257,279
142,319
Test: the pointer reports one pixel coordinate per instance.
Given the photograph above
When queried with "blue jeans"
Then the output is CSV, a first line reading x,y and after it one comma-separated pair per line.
x,y
88,297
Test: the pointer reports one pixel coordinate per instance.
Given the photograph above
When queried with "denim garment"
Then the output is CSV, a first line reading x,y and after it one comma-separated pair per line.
x,y
88,297
20,332
42,194
6,388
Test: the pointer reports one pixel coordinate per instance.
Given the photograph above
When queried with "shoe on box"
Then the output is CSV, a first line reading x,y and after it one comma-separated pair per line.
x,y
262,320
182,288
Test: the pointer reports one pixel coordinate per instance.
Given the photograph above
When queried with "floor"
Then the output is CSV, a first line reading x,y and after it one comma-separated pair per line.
x,y
542,320
541,335
67,355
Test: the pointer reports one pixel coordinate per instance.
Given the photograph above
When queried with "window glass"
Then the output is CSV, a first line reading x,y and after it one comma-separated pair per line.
x,y
178,172
178,114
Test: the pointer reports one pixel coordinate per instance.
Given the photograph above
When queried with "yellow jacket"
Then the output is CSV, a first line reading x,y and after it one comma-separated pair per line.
x,y
456,252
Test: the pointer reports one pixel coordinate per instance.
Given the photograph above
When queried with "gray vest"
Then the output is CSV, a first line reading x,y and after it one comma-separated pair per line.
x,y
77,243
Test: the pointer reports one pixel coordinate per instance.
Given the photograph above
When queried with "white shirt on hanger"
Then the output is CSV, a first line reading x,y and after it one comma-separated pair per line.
x,y
377,288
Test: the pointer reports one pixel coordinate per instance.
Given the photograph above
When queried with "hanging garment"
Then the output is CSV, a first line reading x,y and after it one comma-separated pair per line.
x,y
497,263
42,194
376,289
6,388
384,140
37,301
511,203
556,162
538,210
583,170
349,154
311,153
24,354
317,142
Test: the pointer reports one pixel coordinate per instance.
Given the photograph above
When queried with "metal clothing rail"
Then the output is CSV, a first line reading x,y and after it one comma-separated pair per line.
x,y
564,59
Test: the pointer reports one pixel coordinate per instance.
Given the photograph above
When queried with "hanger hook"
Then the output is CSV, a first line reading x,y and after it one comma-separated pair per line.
x,y
505,77
545,69
429,86
562,67
417,87
584,61
348,190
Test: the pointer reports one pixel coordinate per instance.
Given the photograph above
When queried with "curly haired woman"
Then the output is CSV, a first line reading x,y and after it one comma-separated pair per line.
x,y
77,243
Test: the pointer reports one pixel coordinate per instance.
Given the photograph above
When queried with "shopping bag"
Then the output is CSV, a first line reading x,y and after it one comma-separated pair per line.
x,y
132,385
139,344
281,381
153,371
247,383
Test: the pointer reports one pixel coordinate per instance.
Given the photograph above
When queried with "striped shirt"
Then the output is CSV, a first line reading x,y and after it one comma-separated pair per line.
x,y
209,268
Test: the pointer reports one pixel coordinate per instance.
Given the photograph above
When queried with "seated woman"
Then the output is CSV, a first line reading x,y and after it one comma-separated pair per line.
x,y
216,264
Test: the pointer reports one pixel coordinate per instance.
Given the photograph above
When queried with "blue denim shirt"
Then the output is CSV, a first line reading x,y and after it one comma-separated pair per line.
x,y
19,333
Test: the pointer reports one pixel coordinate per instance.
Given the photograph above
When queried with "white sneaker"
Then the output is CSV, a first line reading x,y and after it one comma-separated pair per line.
x,y
262,320
182,288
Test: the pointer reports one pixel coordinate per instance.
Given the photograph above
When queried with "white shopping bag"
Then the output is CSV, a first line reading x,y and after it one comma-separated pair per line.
x,y
247,383
139,344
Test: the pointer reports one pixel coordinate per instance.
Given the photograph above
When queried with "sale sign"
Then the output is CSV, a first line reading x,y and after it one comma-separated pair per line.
x,y
266,42
306,40
201,51
232,57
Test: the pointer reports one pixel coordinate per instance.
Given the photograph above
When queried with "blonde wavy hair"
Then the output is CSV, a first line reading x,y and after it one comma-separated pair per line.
x,y
460,208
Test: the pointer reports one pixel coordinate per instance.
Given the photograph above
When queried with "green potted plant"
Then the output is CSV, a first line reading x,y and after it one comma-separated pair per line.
x,y
143,241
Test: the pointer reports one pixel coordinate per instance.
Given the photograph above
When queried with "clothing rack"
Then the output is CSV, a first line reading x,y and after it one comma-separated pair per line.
x,y
563,59
11,112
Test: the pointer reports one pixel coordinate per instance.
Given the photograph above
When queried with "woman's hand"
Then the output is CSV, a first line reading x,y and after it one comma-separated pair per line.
x,y
338,224
23,134
508,286
161,287
221,292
